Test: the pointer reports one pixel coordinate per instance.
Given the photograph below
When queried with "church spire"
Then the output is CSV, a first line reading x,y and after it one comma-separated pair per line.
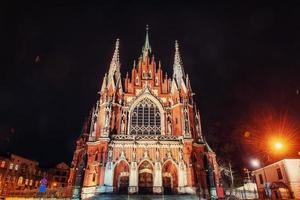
x,y
114,73
178,73
115,62
146,48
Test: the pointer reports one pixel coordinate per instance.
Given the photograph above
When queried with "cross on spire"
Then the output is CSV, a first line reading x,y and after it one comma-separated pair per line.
x,y
146,48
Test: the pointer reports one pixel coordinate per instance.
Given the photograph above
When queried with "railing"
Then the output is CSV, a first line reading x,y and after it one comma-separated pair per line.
x,y
144,137
241,193
62,192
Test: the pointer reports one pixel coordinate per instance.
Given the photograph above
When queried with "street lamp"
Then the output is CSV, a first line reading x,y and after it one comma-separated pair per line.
x,y
278,145
256,164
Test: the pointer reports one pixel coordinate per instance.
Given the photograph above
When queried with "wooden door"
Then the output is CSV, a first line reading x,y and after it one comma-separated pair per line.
x,y
145,183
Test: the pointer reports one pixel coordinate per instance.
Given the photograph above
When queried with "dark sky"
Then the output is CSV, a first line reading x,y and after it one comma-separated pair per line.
x,y
240,58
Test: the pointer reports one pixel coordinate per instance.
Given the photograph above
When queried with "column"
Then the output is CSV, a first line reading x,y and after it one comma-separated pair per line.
x,y
157,180
133,178
108,177
182,178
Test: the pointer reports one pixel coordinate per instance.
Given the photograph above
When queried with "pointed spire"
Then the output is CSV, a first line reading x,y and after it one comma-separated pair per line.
x,y
115,62
114,73
146,48
178,73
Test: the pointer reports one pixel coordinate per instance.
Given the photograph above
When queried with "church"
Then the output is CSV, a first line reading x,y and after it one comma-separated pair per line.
x,y
143,135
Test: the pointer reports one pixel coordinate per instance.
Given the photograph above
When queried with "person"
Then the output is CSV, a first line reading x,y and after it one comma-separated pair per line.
x,y
43,186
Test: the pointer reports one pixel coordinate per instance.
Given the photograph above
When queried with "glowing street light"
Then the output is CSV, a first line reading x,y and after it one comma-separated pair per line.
x,y
278,145
255,163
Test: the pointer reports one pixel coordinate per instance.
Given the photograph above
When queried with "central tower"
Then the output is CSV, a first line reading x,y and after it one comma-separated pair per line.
x,y
144,134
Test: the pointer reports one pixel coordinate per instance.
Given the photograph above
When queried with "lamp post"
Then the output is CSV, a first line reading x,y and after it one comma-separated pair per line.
x,y
256,164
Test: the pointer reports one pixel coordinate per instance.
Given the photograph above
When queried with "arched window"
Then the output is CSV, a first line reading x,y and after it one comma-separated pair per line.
x,y
20,180
145,118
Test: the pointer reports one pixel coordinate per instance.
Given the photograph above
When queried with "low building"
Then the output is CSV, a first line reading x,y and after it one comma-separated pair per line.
x,y
58,176
18,173
280,180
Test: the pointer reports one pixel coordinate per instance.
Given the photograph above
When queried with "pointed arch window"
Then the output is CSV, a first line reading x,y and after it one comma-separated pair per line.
x,y
145,118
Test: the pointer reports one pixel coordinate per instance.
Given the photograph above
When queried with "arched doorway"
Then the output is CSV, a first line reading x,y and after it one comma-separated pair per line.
x,y
145,178
121,177
169,173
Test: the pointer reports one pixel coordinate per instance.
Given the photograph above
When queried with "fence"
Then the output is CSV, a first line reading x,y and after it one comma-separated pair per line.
x,y
63,192
242,193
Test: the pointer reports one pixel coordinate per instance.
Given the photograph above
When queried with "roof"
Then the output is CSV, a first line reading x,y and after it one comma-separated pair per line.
x,y
276,163
62,165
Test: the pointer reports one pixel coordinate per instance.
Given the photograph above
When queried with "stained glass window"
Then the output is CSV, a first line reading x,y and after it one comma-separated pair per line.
x,y
145,118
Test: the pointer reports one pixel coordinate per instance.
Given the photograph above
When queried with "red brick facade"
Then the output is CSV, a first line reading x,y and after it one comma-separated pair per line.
x,y
144,134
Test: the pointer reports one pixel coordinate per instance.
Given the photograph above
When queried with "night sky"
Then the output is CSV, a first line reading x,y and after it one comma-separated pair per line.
x,y
242,59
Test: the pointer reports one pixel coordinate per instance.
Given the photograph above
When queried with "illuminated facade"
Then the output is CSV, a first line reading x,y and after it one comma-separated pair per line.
x,y
279,180
144,135
19,174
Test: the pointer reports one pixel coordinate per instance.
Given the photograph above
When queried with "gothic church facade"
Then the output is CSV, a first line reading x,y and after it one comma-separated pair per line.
x,y
144,135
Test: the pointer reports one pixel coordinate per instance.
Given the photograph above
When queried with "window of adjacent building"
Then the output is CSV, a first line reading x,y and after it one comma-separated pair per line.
x,y
11,166
26,181
2,163
20,180
145,118
16,167
30,182
261,180
279,174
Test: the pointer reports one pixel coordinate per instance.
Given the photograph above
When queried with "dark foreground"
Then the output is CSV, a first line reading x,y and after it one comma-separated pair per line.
x,y
146,197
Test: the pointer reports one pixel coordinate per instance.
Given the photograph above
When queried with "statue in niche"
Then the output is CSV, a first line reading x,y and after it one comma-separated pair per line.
x,y
169,154
157,155
180,154
157,166
107,115
133,155
123,125
122,154
146,152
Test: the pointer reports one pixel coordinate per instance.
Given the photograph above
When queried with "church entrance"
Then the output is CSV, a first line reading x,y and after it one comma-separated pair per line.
x,y
167,184
145,183
123,184
121,177
145,178
170,181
